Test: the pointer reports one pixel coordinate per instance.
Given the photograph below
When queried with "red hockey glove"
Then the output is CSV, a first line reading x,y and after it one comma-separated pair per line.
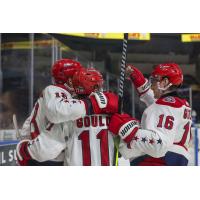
x,y
102,103
124,125
138,79
23,155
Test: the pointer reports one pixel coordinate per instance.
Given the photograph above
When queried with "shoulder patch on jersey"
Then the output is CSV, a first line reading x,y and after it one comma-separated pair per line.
x,y
169,99
172,101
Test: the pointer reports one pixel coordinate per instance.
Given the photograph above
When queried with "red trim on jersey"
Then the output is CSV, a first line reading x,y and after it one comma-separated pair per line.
x,y
182,142
131,136
179,144
152,162
175,102
103,136
24,151
85,140
33,121
86,107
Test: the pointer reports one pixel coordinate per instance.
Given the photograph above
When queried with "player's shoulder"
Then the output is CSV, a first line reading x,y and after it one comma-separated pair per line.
x,y
171,101
56,87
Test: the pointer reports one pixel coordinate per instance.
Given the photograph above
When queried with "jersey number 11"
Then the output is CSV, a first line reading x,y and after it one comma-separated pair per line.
x,y
104,150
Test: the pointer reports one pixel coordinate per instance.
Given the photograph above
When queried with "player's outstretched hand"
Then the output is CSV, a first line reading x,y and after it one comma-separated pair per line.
x,y
124,125
104,102
138,79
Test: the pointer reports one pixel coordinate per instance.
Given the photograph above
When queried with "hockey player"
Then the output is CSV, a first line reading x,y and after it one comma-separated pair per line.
x,y
54,107
89,141
164,134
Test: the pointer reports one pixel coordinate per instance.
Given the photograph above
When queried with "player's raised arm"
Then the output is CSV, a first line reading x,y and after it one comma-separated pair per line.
x,y
141,84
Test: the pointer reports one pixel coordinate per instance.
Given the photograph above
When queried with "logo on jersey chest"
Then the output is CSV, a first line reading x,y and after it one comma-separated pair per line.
x,y
169,99
94,121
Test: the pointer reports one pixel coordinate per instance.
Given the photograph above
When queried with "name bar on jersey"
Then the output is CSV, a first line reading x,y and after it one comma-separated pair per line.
x,y
194,37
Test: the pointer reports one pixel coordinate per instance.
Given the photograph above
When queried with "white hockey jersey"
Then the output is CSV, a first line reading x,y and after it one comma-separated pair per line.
x,y
164,133
54,107
89,142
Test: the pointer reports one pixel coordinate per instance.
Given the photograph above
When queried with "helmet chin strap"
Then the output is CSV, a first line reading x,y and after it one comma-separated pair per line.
x,y
163,90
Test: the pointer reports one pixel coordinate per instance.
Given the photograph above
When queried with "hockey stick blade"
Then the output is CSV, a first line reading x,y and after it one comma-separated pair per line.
x,y
18,136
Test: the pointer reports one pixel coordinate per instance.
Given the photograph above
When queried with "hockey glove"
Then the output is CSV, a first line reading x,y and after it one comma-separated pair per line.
x,y
23,156
140,82
102,103
124,125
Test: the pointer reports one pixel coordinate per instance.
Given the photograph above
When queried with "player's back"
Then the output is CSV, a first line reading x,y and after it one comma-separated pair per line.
x,y
43,132
90,142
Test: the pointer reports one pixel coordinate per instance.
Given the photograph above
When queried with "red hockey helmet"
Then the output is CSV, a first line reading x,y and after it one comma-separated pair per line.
x,y
169,70
63,69
87,80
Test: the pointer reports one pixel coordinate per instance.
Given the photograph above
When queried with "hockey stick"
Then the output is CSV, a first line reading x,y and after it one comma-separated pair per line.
x,y
122,73
18,135
121,91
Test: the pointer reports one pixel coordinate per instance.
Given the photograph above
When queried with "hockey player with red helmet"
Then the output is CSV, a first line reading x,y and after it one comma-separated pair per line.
x,y
164,135
86,81
89,141
54,107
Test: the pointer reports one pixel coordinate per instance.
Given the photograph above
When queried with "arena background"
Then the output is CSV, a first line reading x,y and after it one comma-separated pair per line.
x,y
26,59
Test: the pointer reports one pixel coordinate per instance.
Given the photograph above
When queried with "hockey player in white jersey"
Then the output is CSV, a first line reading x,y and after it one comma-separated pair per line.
x,y
54,107
89,141
164,135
